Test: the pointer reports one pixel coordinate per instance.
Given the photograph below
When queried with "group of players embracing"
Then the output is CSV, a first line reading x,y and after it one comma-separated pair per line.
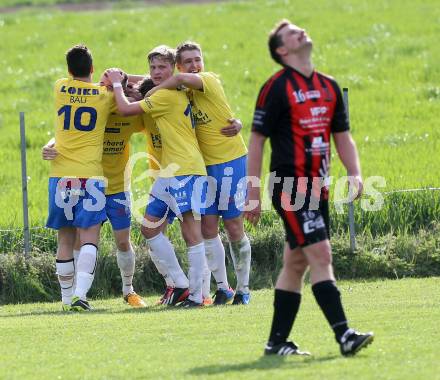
x,y
194,147
200,157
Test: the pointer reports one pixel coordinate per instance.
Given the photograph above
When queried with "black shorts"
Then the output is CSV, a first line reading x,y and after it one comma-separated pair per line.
x,y
306,218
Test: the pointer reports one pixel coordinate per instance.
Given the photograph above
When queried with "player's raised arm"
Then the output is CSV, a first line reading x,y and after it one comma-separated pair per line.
x,y
125,108
135,78
189,80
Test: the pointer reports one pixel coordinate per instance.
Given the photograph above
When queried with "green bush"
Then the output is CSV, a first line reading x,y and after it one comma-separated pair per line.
x,y
385,256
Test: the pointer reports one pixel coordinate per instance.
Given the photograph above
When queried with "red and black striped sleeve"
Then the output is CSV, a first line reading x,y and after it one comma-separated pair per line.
x,y
268,107
340,119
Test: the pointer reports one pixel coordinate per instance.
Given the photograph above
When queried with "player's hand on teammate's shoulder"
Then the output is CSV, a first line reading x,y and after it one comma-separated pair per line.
x,y
233,128
114,75
252,206
48,151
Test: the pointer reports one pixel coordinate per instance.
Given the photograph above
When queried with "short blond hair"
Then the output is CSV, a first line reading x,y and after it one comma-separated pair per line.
x,y
164,52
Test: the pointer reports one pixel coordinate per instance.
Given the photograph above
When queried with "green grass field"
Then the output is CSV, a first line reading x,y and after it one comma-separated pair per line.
x,y
114,342
386,54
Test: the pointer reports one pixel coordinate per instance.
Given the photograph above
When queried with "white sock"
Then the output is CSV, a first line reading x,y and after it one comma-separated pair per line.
x,y
196,260
75,257
163,249
162,269
215,256
241,257
206,289
75,263
126,263
85,270
65,268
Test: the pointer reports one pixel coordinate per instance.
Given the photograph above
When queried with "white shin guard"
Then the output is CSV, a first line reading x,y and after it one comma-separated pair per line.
x,y
162,269
196,260
126,264
215,257
206,289
162,248
66,276
241,257
85,270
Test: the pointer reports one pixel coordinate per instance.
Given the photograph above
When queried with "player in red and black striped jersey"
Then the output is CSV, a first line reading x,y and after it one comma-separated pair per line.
x,y
298,113
298,109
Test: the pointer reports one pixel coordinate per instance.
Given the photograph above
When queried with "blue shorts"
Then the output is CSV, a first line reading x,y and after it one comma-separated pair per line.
x,y
171,197
117,209
75,202
227,188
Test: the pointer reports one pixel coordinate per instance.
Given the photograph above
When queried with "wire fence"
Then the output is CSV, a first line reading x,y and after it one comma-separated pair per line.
x,y
406,209
403,210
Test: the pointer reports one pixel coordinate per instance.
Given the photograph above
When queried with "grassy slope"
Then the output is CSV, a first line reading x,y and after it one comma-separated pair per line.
x,y
386,54
116,342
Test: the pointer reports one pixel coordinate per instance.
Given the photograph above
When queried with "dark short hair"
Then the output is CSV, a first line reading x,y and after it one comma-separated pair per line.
x,y
79,60
145,86
275,40
185,46
164,52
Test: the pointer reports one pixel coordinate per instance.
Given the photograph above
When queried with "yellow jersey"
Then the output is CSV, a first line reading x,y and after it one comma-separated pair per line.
x,y
154,142
172,113
211,112
116,149
82,110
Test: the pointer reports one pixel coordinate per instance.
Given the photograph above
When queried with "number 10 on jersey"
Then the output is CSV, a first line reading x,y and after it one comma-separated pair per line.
x,y
81,114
